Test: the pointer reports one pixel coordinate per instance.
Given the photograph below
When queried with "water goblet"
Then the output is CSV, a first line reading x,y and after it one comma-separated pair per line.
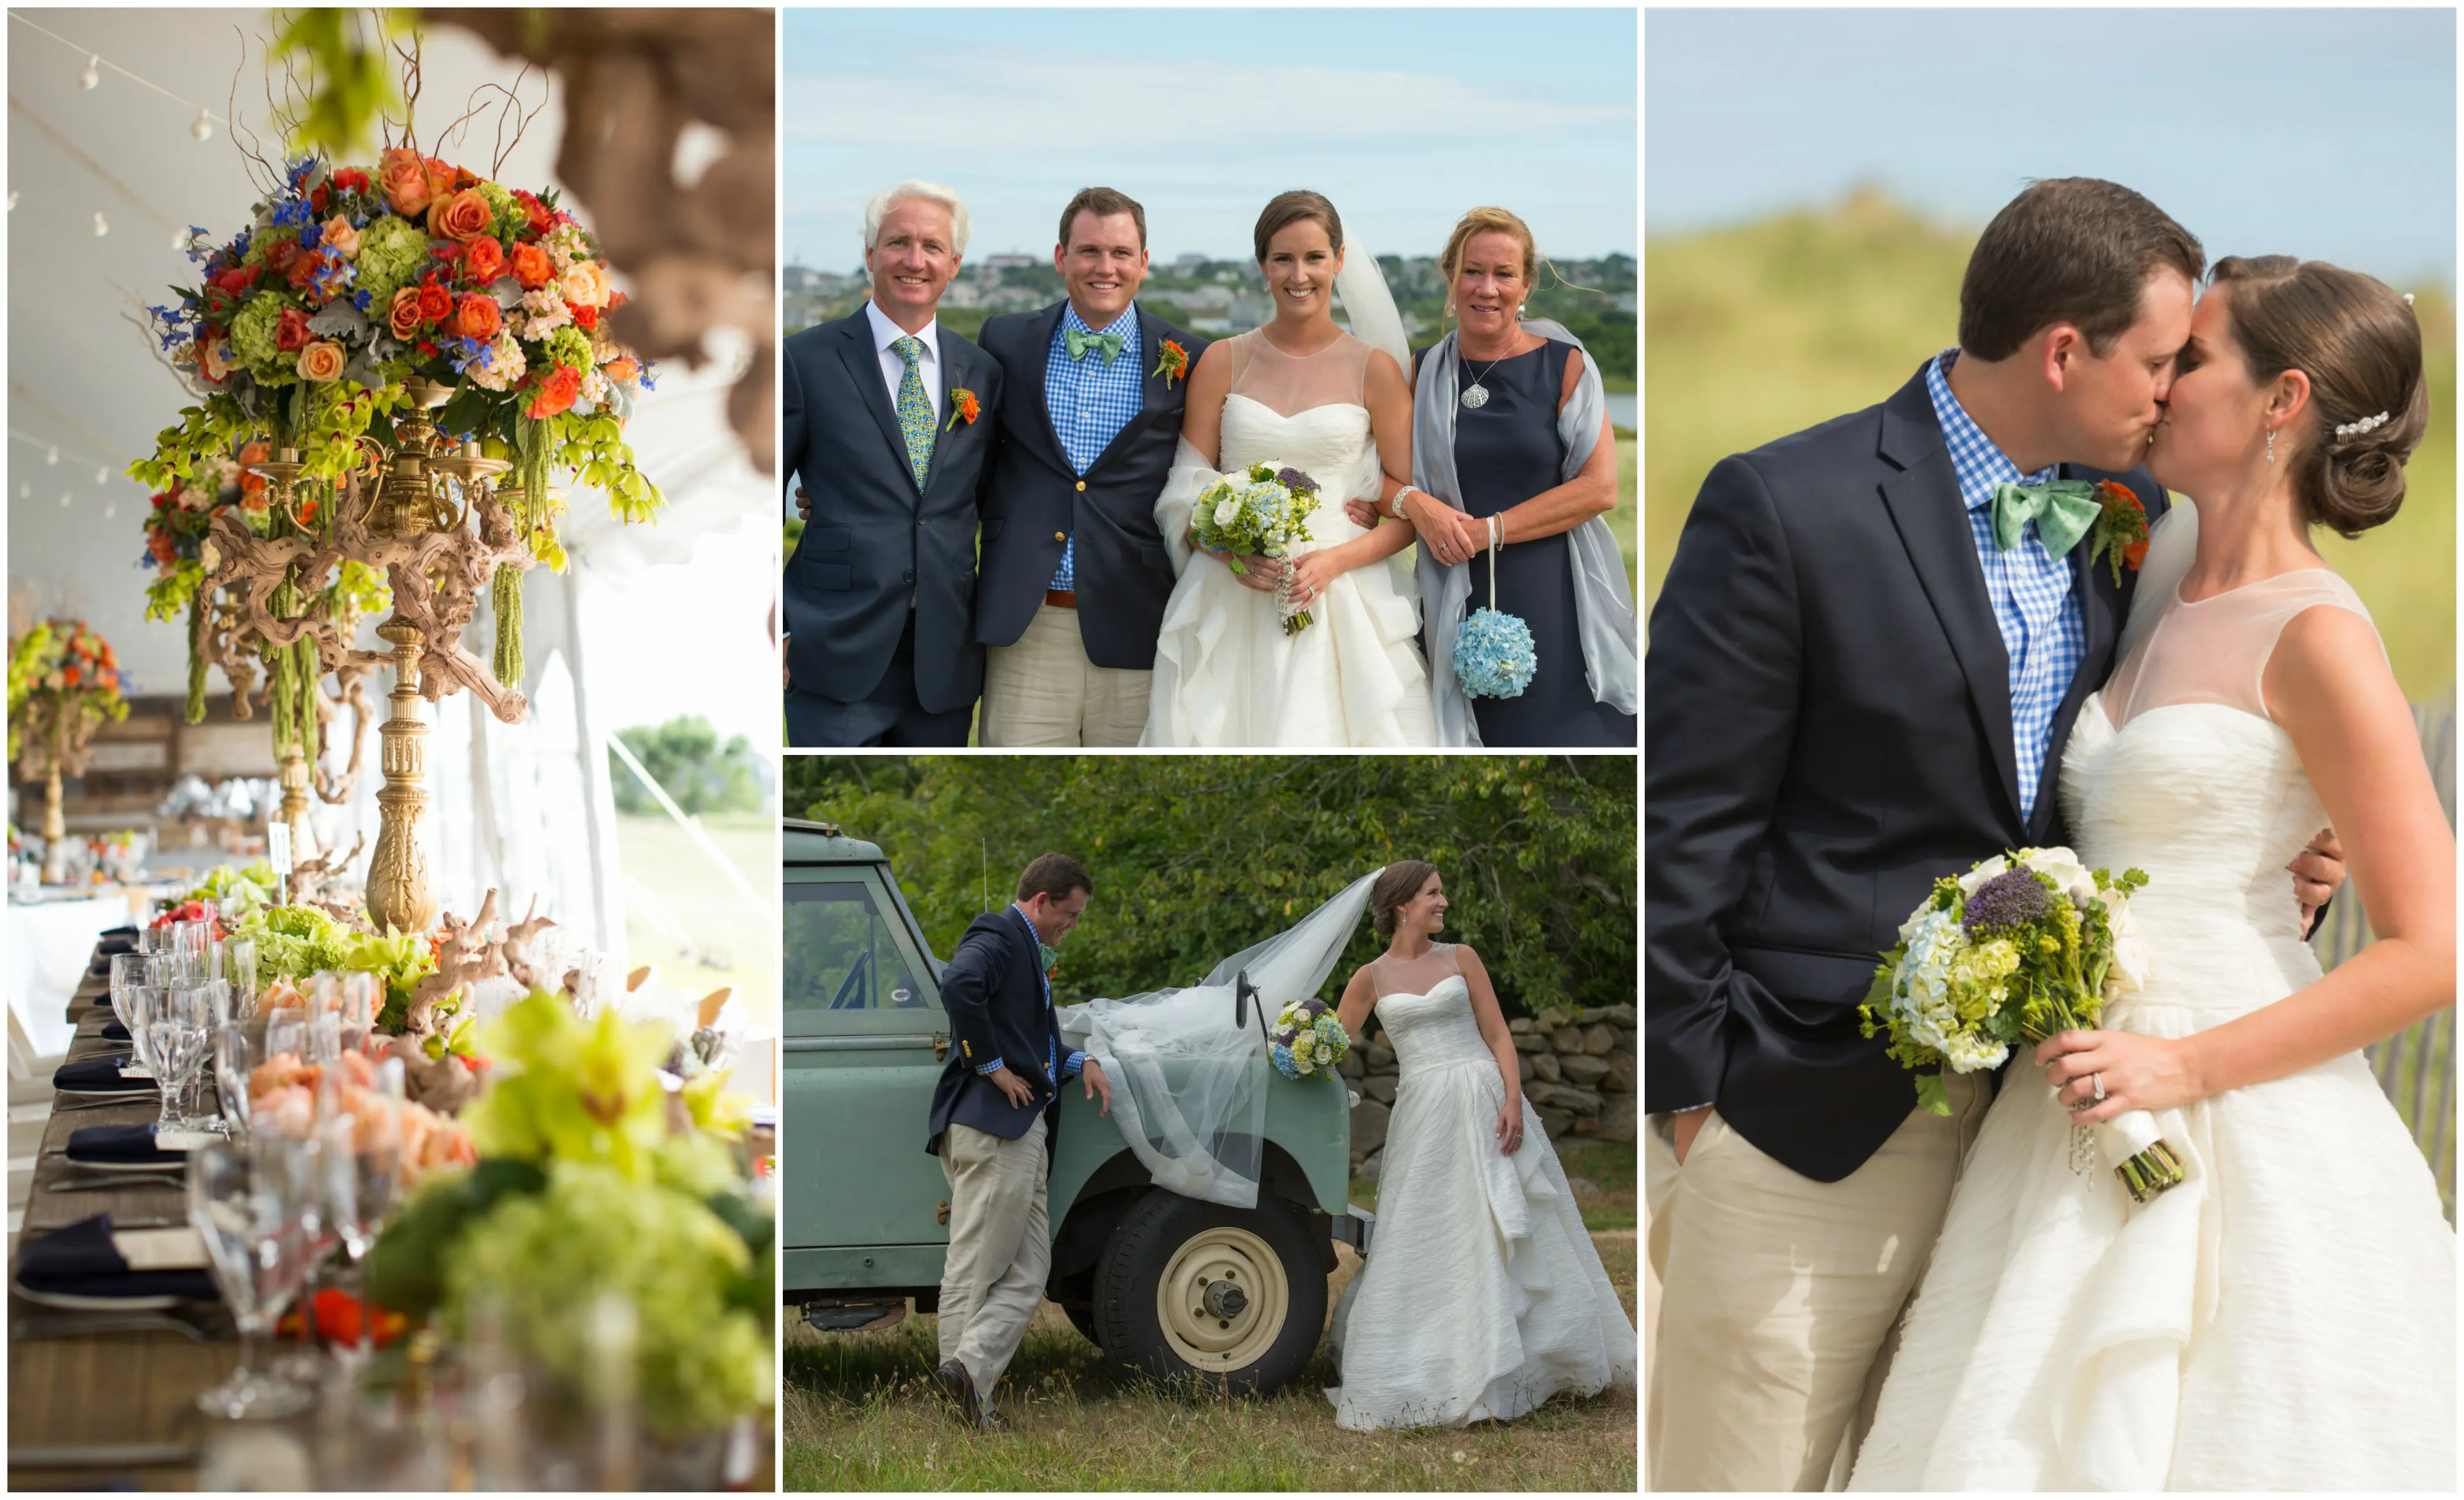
x,y
189,941
177,1031
239,1047
239,959
128,971
243,1201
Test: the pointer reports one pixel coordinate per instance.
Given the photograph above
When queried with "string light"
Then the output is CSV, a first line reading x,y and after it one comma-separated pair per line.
x,y
110,511
64,499
101,225
102,475
204,128
25,489
52,455
179,240
91,74
13,203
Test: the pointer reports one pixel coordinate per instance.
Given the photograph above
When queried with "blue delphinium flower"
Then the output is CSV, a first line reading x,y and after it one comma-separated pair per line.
x,y
1494,655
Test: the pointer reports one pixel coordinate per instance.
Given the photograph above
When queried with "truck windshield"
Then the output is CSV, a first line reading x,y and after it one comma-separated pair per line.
x,y
841,953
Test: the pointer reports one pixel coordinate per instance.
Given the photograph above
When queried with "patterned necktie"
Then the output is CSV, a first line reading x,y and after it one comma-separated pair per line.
x,y
915,409
1079,341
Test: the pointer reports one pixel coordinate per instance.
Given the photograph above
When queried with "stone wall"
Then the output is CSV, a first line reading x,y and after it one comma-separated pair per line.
x,y
1579,1072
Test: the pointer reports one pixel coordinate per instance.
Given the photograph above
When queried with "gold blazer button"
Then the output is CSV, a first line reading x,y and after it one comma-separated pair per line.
x,y
1082,484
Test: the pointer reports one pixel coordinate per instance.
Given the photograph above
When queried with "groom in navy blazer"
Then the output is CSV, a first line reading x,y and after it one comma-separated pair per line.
x,y
884,422
1075,573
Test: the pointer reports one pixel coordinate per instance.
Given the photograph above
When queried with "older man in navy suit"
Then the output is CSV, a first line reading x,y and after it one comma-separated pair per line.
x,y
994,1113
883,422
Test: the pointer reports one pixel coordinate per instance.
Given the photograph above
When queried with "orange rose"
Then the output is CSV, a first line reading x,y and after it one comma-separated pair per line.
x,y
403,178
321,361
436,303
477,316
465,217
532,267
70,675
485,260
403,317
556,395
338,237
621,371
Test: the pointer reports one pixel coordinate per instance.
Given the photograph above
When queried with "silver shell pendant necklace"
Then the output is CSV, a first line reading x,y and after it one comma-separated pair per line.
x,y
1475,395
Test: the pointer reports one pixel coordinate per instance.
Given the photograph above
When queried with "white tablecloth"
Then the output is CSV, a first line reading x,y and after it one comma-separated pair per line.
x,y
50,944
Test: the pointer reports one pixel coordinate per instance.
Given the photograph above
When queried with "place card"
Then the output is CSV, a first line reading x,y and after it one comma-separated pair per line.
x,y
160,1250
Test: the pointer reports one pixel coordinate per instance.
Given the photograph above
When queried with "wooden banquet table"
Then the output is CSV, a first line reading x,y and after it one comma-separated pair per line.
x,y
85,1407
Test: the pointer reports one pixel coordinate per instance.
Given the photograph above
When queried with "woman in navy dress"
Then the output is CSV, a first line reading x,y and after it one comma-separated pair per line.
x,y
1508,459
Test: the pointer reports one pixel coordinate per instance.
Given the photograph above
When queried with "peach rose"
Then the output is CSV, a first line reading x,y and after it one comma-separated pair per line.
x,y
477,318
403,317
403,178
465,217
212,358
321,361
532,267
621,370
585,284
337,238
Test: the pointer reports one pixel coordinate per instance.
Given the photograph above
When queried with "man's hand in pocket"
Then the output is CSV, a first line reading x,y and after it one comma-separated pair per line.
x,y
1688,1126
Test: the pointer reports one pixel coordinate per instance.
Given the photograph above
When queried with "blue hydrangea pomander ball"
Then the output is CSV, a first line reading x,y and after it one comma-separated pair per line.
x,y
1494,655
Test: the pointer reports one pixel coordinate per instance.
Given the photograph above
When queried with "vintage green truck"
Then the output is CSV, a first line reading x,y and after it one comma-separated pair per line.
x,y
1163,1284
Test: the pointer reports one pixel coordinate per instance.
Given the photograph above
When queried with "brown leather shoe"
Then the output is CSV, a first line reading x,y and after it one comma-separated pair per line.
x,y
960,1388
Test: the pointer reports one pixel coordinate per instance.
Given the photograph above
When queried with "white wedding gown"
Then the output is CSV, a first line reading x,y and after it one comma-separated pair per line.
x,y
1225,673
2285,1318
1482,1295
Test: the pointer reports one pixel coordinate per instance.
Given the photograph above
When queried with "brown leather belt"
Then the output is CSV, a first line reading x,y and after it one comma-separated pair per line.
x,y
1060,598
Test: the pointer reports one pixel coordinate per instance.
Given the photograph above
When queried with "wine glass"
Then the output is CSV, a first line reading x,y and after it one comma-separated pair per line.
x,y
359,1013
286,1031
239,959
189,941
244,1202
314,1222
177,1031
239,1047
128,971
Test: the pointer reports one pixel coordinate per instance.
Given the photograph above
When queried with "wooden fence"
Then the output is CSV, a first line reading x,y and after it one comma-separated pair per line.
x,y
2415,1067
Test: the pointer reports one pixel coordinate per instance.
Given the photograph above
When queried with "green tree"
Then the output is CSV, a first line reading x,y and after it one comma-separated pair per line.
x,y
1196,857
684,755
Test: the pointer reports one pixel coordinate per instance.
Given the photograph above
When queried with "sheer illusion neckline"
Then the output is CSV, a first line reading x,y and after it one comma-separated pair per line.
x,y
2255,583
1339,335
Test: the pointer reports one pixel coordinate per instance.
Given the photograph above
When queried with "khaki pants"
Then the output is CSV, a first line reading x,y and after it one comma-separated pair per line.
x,y
992,1281
1781,1298
1043,691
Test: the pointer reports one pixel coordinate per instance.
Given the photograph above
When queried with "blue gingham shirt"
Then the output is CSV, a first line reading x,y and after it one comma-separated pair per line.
x,y
2043,633
1090,402
1055,1066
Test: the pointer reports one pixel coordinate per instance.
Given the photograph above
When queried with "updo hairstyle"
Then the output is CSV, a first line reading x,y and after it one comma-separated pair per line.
x,y
1401,881
1287,208
2360,344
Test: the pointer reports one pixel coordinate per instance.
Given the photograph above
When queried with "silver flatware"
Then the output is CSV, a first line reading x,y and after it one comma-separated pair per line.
x,y
103,1455
81,1325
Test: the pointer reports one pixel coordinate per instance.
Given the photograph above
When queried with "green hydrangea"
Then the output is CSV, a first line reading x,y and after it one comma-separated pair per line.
x,y
570,345
262,242
391,252
543,1260
252,336
509,215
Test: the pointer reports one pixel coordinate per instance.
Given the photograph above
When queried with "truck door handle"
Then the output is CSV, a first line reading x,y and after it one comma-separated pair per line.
x,y
941,1053
942,1212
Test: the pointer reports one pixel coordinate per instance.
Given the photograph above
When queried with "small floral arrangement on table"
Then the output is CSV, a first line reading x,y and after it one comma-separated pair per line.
x,y
1308,1039
349,284
2021,947
63,682
1260,516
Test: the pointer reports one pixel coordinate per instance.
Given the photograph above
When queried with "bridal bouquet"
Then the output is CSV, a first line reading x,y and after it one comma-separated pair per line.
x,y
1260,516
1308,1039
2016,950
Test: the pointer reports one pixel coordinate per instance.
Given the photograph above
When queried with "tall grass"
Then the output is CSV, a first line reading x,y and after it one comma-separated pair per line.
x,y
1754,332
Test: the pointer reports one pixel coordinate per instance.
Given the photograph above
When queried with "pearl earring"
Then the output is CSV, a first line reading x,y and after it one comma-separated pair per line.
x,y
2271,445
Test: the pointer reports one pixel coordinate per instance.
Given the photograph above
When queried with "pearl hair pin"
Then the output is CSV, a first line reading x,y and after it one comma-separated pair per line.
x,y
2365,425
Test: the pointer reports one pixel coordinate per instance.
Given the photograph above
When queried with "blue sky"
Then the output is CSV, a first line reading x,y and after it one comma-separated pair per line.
x,y
1404,118
2326,134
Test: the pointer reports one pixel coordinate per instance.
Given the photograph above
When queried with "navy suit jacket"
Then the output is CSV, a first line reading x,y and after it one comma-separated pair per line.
x,y
1034,501
1826,730
873,545
994,992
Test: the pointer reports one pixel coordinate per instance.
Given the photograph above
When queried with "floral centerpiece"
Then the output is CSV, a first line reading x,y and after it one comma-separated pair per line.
x,y
354,289
63,682
595,1183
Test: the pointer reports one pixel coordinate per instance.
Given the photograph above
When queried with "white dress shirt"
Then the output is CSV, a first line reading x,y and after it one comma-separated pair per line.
x,y
894,369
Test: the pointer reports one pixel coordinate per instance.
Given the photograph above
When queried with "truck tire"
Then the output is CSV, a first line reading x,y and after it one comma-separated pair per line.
x,y
1234,1298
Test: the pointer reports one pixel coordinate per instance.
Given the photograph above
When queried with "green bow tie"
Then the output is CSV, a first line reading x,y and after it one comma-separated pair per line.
x,y
1080,341
1048,954
2062,509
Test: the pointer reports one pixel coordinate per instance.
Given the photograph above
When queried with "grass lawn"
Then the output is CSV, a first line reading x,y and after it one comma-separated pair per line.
x,y
686,918
860,1413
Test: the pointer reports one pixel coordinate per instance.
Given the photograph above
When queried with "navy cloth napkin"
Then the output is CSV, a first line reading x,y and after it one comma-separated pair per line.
x,y
80,1261
111,945
98,1075
114,1032
120,1144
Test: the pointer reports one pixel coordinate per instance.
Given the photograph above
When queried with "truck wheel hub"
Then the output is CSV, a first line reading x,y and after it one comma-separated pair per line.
x,y
1223,1299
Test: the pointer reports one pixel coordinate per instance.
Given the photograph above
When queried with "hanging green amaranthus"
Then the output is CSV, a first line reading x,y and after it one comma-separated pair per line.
x,y
196,704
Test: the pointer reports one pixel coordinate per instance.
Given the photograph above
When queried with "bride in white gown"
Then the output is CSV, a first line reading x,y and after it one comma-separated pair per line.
x,y
2285,1318
1299,391
1482,1295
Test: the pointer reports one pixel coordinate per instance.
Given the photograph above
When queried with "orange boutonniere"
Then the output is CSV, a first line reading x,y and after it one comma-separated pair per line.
x,y
1173,363
965,408
2120,529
